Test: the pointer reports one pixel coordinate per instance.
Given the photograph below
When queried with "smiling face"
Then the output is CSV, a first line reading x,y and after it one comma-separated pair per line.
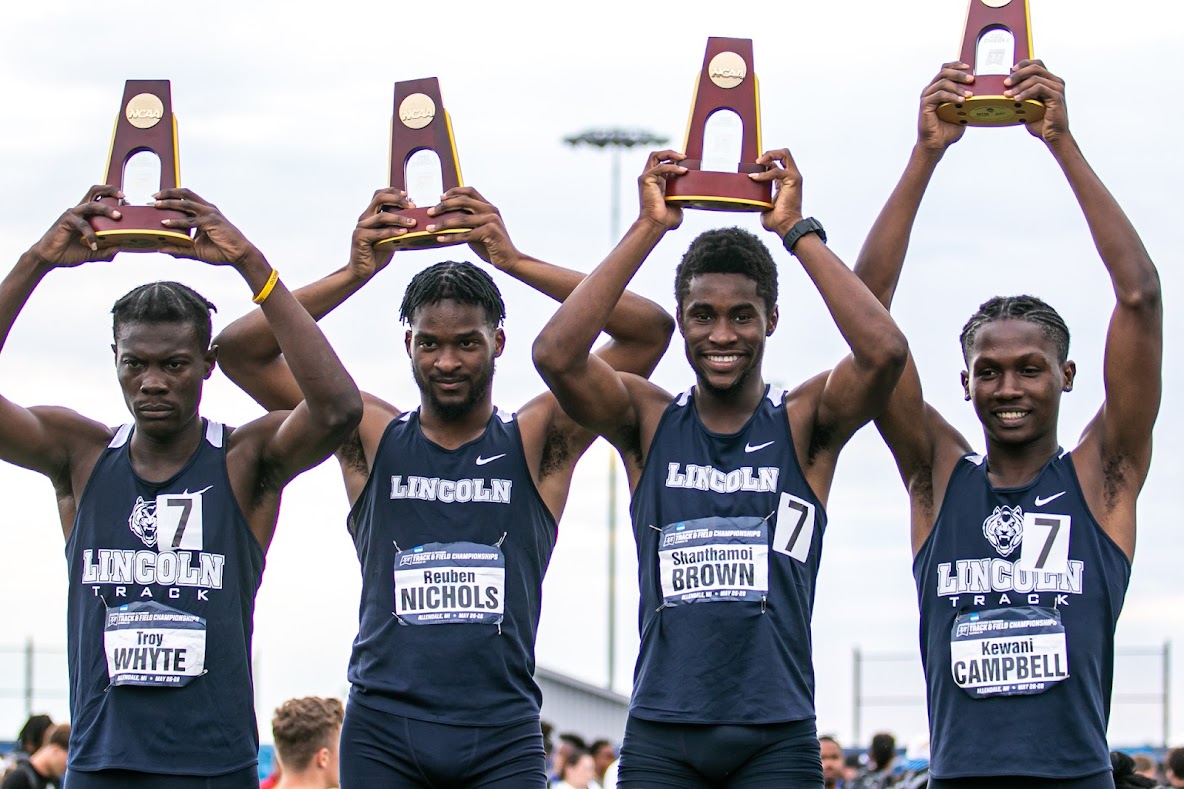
x,y
724,325
452,347
161,369
1015,381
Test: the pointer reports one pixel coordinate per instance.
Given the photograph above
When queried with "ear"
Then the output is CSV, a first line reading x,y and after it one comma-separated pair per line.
x,y
966,384
323,757
677,321
115,351
499,341
772,325
211,360
1069,372
407,342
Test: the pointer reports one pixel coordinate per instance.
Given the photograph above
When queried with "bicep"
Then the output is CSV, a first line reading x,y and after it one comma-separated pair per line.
x,y
593,394
270,384
43,438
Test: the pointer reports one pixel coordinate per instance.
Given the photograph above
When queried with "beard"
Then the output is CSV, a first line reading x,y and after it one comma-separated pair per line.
x,y
731,390
479,384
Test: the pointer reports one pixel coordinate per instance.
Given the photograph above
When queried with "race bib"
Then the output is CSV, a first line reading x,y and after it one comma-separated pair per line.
x,y
1016,651
448,583
152,645
709,560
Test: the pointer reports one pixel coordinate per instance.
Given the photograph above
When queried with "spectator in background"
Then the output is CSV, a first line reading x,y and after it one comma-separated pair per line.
x,y
1146,766
603,754
1125,776
577,771
1173,767
306,734
832,762
32,736
880,756
569,743
45,766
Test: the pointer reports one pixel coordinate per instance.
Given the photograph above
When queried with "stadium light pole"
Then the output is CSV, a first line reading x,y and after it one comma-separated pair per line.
x,y
614,140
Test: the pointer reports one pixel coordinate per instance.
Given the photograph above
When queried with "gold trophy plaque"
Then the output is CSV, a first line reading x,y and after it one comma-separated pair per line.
x,y
998,35
727,83
421,123
145,127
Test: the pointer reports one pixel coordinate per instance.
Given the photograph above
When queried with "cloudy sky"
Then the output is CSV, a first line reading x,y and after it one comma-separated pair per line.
x,y
284,115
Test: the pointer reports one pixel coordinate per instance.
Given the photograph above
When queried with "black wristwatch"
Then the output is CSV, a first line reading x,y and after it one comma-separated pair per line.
x,y
801,228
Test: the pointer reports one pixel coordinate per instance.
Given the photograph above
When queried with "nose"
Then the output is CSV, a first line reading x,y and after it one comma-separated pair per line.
x,y
447,361
722,332
1009,386
153,382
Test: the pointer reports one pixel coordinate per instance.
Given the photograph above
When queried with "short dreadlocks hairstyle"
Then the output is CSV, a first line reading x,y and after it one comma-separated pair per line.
x,y
1024,308
728,250
461,282
165,302
301,727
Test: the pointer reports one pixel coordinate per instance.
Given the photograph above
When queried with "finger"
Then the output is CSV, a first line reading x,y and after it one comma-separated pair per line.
x,y
181,193
1036,88
955,71
1027,69
772,174
96,208
383,198
84,231
456,238
463,191
467,221
943,96
464,203
386,220
781,155
101,190
182,223
946,86
375,235
186,205
667,155
665,170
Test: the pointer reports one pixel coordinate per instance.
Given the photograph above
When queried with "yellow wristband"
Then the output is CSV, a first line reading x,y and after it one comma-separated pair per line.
x,y
268,287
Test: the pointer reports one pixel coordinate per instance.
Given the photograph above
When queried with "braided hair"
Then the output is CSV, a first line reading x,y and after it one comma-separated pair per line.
x,y
1025,308
728,250
165,302
460,282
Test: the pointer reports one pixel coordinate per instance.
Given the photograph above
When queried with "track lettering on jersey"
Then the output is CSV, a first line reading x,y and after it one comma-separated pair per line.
x,y
1018,651
714,560
450,583
152,645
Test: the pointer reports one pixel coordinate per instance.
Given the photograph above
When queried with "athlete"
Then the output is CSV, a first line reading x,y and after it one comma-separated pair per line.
x,y
730,481
456,502
167,519
1022,555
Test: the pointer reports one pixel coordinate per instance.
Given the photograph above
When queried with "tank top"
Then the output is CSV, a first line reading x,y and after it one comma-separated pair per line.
x,y
729,537
163,577
1019,592
453,546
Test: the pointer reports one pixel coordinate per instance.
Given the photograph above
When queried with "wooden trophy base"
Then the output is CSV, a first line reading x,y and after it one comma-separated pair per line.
x,y
139,230
418,238
716,191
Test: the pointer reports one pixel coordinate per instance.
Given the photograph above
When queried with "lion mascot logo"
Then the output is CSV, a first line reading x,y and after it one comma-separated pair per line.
x,y
143,521
1004,528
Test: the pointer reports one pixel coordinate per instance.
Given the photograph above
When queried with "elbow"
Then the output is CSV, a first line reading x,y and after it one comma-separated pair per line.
x,y
344,414
551,355
890,355
1144,297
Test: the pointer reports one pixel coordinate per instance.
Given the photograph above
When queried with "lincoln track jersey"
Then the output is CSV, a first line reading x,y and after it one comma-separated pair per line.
x,y
729,537
163,577
1019,592
453,546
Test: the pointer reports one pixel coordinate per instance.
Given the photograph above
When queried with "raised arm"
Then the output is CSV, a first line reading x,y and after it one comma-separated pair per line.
x,y
330,405
247,349
587,386
858,386
639,330
1117,443
922,442
51,440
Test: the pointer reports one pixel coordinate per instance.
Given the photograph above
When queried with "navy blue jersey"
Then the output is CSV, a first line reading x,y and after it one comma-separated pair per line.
x,y
729,537
453,545
163,577
1019,591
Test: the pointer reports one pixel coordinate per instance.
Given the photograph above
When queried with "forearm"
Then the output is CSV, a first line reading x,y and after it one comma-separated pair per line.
x,y
593,303
882,256
1131,270
327,388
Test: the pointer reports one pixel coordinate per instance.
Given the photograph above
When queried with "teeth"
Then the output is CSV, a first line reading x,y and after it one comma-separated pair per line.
x,y
723,359
1011,414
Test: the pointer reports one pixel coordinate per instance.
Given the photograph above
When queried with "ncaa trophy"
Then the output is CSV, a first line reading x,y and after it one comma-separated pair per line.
x,y
727,84
145,128
422,124
998,35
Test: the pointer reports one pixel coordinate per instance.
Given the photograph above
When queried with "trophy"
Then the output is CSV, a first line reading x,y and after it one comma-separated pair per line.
x,y
727,90
998,35
421,124
143,155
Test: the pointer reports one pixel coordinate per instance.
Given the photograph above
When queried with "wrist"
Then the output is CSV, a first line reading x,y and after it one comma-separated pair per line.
x,y
649,226
33,263
783,226
1062,144
800,230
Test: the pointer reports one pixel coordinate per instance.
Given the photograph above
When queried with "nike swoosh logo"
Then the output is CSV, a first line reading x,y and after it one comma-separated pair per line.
x,y
1041,502
758,447
482,461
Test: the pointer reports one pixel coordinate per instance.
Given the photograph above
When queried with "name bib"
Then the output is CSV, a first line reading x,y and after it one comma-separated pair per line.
x,y
714,559
1016,651
153,645
448,583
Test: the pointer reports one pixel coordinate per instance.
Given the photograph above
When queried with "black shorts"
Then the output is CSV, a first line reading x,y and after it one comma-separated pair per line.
x,y
246,778
707,756
1098,781
393,752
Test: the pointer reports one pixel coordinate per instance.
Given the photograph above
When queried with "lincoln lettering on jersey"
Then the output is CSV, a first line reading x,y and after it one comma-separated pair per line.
x,y
143,568
745,478
494,491
980,576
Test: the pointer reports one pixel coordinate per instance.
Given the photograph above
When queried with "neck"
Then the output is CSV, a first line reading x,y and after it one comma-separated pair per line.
x,y
306,779
158,456
1011,465
727,411
453,430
